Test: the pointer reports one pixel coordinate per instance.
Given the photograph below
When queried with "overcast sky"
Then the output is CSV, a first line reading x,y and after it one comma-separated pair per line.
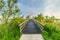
x,y
34,7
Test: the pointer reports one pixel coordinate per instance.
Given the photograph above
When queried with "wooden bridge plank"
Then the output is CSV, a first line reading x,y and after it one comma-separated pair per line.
x,y
31,37
31,28
31,32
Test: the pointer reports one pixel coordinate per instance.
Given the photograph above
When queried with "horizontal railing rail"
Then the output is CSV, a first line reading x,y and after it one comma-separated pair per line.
x,y
40,26
22,25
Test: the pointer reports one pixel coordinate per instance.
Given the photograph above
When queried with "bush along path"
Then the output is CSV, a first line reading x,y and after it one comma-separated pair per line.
x,y
50,33
11,31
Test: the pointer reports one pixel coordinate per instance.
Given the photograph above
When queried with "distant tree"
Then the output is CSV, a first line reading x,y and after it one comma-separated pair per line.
x,y
52,18
41,18
28,17
46,17
47,20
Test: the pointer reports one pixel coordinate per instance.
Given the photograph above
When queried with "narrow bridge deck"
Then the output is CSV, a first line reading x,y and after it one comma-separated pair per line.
x,y
31,32
31,28
31,37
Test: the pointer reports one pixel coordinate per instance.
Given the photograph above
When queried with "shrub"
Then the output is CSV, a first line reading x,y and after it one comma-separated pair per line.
x,y
55,36
3,32
50,29
50,33
46,35
11,31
